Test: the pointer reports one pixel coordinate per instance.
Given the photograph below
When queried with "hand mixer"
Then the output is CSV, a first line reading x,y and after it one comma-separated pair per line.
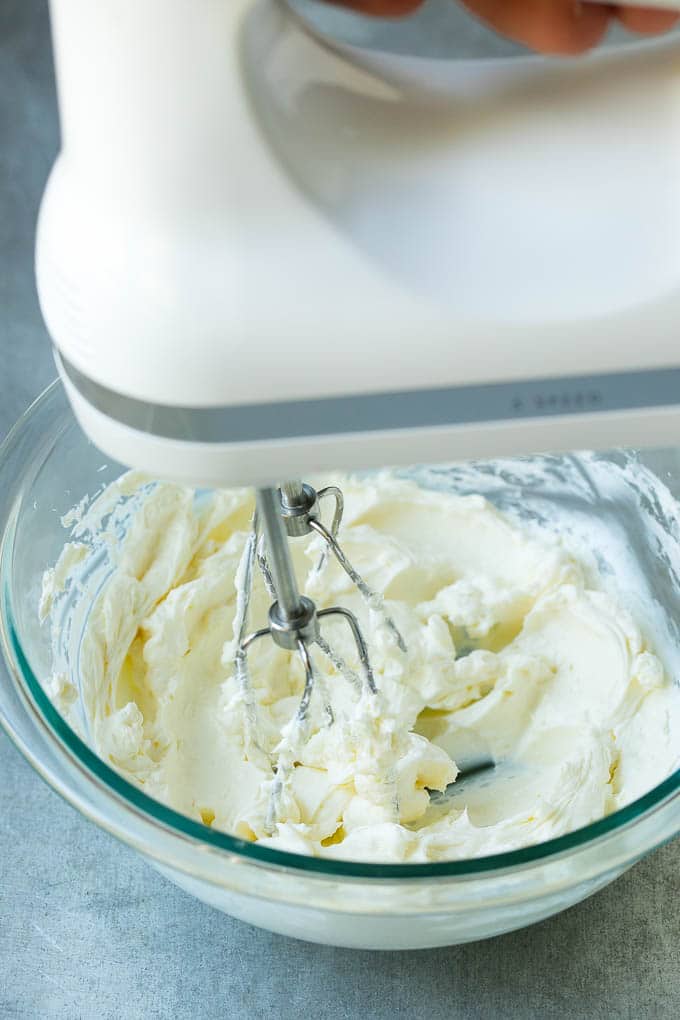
x,y
262,254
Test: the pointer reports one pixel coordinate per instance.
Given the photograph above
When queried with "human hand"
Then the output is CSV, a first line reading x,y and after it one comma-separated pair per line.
x,y
549,26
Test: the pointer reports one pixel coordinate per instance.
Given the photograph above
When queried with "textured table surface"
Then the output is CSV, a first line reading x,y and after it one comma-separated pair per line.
x,y
88,930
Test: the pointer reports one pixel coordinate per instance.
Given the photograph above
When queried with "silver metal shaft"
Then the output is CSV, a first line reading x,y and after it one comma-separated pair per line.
x,y
279,558
292,492
291,511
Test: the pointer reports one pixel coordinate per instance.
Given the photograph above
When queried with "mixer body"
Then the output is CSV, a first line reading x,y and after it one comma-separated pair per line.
x,y
260,255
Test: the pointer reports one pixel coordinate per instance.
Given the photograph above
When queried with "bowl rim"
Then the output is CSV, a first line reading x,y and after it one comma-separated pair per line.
x,y
63,738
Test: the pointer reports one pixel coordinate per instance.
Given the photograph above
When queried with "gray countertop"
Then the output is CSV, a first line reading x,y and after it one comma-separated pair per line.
x,y
89,930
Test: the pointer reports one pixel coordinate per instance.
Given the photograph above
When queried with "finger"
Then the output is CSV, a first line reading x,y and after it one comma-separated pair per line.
x,y
646,22
381,8
550,26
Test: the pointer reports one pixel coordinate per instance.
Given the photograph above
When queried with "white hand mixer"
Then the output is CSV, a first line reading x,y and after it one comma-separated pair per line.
x,y
262,255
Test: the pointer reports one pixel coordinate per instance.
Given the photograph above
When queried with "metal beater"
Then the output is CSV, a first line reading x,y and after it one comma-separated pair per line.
x,y
293,511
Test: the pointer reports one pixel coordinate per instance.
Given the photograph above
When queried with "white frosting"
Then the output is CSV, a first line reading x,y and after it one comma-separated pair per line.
x,y
514,653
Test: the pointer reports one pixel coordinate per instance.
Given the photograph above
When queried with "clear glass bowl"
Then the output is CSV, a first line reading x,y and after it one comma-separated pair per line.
x,y
47,465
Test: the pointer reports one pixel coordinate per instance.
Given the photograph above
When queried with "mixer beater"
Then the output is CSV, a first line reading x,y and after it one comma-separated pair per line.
x,y
294,623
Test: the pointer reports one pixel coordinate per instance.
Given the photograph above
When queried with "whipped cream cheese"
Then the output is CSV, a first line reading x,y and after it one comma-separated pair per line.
x,y
515,654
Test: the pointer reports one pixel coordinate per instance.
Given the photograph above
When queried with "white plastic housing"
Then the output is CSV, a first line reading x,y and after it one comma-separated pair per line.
x,y
241,216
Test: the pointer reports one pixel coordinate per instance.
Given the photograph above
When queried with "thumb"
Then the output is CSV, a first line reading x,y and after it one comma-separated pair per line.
x,y
549,26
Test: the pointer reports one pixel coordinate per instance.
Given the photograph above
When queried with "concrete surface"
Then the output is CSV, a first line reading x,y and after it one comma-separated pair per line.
x,y
89,931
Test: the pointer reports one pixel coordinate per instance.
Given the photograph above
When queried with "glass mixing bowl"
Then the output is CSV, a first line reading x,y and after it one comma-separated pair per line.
x,y
47,465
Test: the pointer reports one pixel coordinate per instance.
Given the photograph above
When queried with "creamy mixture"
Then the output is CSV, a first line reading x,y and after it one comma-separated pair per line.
x,y
515,654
